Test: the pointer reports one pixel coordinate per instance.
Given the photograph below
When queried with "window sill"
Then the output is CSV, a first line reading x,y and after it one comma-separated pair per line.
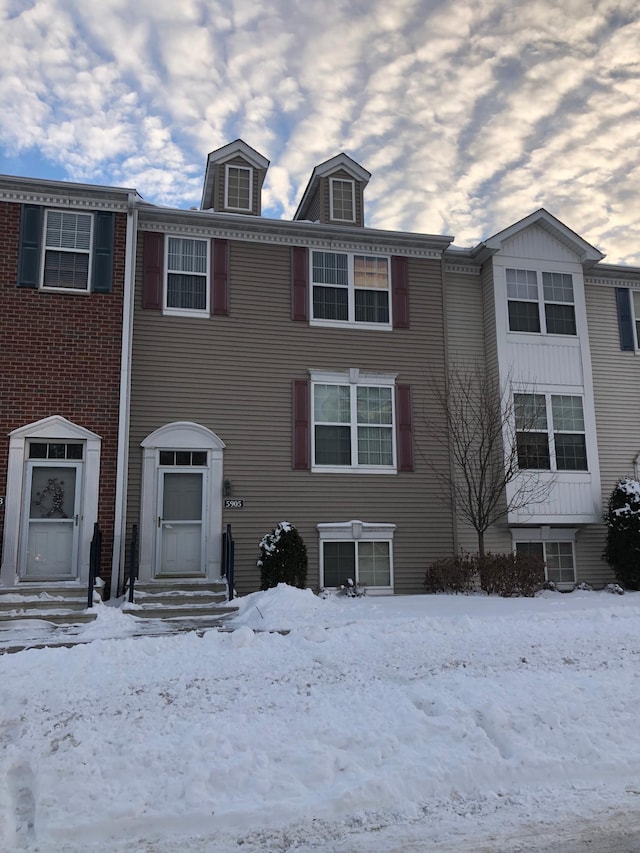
x,y
573,340
74,290
353,469
345,324
177,312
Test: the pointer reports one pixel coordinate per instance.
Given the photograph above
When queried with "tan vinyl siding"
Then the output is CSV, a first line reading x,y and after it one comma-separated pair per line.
x,y
233,375
489,318
616,380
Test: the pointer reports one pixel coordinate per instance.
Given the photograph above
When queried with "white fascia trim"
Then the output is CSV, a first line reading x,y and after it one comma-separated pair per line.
x,y
122,459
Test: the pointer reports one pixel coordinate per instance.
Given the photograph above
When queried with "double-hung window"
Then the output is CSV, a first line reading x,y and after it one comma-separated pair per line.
x,y
357,552
342,199
350,289
239,187
353,424
66,263
187,290
550,432
528,290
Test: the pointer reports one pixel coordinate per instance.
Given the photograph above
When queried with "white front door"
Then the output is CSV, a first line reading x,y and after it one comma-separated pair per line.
x,y
51,520
180,546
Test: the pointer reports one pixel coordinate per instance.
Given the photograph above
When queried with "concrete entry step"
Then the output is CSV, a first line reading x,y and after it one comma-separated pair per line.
x,y
181,599
57,603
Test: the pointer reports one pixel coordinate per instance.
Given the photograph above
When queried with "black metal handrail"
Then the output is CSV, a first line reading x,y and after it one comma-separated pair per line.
x,y
95,554
228,560
133,561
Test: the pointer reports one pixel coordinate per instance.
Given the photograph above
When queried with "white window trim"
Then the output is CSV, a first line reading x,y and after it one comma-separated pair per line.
x,y
541,302
636,317
335,218
228,206
546,534
351,323
186,312
551,431
53,428
358,531
88,252
354,378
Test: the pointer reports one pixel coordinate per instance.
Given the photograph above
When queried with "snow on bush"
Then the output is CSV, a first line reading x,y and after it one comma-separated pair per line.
x,y
622,549
283,557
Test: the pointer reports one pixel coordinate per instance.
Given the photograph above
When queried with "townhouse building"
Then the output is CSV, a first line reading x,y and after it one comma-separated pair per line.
x,y
62,312
183,370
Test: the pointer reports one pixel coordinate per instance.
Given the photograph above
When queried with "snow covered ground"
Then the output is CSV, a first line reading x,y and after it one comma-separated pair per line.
x,y
427,723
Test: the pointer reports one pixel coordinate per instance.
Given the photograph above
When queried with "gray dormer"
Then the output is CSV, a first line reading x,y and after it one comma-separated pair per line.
x,y
233,180
334,193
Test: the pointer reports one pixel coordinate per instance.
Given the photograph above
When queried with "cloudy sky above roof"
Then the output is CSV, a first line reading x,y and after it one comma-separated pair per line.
x,y
469,114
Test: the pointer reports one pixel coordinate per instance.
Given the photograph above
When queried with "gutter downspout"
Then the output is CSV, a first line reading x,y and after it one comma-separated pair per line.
x,y
120,514
452,469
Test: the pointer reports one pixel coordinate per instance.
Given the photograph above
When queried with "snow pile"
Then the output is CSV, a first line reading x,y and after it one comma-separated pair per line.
x,y
372,725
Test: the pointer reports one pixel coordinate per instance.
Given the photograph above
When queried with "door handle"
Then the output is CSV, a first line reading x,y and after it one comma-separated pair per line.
x,y
159,520
76,520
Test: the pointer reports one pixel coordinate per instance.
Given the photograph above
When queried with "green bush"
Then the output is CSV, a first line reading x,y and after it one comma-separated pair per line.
x,y
511,574
622,548
452,574
283,557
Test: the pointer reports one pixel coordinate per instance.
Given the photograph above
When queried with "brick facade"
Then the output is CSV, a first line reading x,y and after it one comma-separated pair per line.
x,y
60,355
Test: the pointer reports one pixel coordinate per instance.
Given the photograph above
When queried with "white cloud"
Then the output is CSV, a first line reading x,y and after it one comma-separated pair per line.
x,y
469,115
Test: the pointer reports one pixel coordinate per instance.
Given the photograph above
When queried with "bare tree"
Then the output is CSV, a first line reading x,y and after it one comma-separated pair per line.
x,y
487,429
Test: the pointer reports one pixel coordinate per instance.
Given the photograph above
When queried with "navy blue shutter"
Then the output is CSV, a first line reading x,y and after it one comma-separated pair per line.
x,y
102,275
30,240
625,319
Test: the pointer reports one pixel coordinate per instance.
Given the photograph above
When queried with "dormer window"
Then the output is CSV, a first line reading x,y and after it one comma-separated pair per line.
x,y
239,187
342,200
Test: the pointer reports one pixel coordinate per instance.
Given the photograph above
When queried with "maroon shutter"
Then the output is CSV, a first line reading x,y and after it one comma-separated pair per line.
x,y
220,278
404,428
299,283
301,451
152,270
400,292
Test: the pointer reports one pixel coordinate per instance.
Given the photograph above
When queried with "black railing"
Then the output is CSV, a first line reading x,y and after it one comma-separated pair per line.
x,y
95,553
228,559
133,562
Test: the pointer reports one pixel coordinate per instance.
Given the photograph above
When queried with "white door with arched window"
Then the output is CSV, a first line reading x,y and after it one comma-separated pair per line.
x,y
181,503
51,502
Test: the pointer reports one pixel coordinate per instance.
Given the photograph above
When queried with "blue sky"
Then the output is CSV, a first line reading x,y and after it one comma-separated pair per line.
x,y
469,115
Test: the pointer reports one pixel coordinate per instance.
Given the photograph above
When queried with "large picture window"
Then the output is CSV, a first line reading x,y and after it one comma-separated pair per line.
x,y
528,290
353,426
66,263
350,288
550,432
187,288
